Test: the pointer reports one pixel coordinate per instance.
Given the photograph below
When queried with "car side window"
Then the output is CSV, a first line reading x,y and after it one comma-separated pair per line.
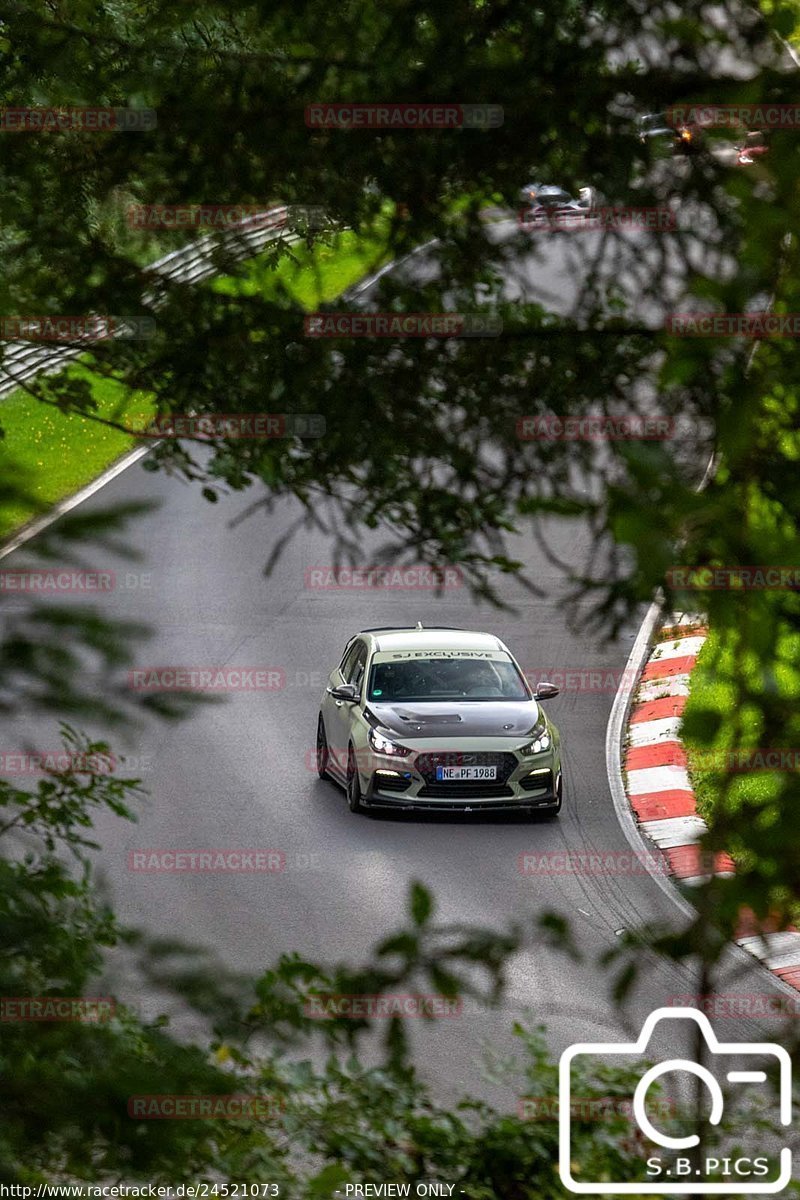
x,y
356,672
348,658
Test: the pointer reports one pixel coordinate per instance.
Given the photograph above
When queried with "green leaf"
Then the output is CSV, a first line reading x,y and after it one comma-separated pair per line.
x,y
420,904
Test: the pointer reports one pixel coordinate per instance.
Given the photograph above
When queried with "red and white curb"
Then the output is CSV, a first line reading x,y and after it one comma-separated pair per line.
x,y
659,789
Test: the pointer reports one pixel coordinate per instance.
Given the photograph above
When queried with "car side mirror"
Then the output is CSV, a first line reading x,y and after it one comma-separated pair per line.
x,y
345,691
545,691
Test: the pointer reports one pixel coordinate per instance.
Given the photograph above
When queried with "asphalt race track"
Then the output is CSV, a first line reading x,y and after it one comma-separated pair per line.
x,y
241,774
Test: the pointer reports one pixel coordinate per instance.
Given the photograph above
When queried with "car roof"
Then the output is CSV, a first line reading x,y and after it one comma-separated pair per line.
x,y
552,189
432,638
656,122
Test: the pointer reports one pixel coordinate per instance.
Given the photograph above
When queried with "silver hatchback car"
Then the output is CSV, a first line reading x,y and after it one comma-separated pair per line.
x,y
437,719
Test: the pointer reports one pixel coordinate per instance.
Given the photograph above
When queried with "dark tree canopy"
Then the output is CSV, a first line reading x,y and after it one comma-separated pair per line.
x,y
421,434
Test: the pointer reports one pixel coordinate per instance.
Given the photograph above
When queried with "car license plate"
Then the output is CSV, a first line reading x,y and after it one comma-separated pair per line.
x,y
444,774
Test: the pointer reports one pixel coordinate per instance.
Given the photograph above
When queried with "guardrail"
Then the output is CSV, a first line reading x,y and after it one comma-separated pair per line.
x,y
190,264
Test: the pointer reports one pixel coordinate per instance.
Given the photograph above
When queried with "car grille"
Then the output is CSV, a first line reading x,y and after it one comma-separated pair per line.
x,y
465,789
426,764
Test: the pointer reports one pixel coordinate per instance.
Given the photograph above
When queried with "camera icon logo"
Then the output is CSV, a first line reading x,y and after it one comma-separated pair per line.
x,y
668,1169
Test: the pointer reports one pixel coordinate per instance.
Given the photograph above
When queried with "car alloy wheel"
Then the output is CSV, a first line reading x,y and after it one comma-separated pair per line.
x,y
323,754
353,784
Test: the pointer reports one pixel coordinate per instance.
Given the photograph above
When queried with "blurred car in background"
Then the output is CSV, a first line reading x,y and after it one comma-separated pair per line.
x,y
753,148
654,129
546,201
528,193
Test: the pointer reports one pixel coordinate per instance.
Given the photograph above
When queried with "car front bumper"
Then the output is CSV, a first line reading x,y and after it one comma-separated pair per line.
x,y
530,784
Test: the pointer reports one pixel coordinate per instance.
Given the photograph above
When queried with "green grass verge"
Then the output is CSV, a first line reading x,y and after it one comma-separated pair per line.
x,y
53,454
719,730
310,276
711,697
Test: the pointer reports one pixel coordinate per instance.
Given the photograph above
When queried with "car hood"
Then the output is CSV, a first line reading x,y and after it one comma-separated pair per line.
x,y
477,718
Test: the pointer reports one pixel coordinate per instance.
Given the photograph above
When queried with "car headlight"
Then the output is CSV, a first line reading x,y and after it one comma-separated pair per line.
x,y
383,745
540,741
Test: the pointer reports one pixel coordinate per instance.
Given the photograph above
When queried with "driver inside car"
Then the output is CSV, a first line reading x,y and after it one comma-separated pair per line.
x,y
478,679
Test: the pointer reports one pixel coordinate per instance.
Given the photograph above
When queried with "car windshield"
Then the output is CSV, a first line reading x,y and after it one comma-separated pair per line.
x,y
440,678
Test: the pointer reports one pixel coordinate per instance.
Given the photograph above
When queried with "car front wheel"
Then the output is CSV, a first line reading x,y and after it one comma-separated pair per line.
x,y
353,784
